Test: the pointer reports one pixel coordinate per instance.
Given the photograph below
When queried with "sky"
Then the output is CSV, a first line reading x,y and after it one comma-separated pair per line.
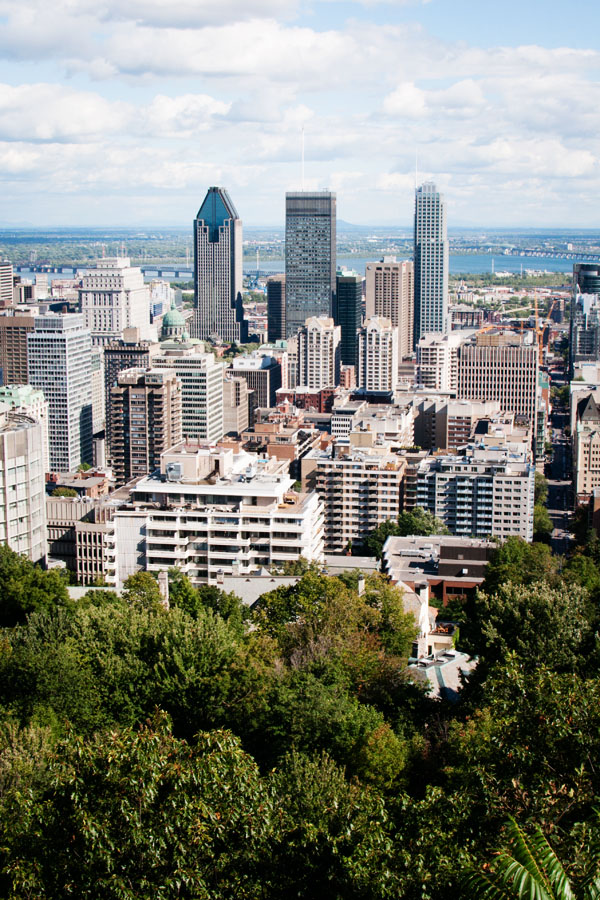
x,y
123,112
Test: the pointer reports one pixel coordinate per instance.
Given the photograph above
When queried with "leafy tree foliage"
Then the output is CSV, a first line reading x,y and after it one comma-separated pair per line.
x,y
541,489
542,523
521,563
417,521
25,588
64,492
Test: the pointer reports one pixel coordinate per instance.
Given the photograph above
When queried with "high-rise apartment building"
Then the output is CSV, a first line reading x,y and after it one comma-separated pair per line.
x,y
28,401
114,297
236,404
378,356
146,420
437,361
390,293
276,308
6,283
128,353
22,486
319,353
586,447
480,493
348,313
58,353
201,377
310,257
431,262
13,347
501,366
218,274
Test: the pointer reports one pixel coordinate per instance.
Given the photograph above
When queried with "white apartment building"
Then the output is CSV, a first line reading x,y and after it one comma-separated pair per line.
x,y
22,486
319,353
481,493
114,296
378,355
58,358
29,401
360,487
210,512
437,361
431,262
98,389
502,367
201,377
390,294
586,447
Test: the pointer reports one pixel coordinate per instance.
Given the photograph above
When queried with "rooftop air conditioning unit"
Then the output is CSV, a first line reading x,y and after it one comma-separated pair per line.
x,y
174,471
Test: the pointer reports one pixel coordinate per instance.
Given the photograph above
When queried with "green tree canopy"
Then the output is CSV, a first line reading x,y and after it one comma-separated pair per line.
x,y
25,588
417,521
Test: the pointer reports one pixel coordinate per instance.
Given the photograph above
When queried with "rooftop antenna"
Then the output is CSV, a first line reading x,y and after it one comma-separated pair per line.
x,y
303,158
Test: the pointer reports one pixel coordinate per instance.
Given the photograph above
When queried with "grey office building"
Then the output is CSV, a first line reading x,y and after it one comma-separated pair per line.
x,y
431,263
310,261
218,275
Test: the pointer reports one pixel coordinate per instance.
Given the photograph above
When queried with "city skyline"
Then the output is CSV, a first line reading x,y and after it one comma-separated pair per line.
x,y
123,113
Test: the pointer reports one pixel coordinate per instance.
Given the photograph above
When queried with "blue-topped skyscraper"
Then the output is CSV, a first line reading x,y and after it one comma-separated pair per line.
x,y
431,262
310,261
218,274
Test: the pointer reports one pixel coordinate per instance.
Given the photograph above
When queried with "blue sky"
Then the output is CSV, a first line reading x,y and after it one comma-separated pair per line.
x,y
123,112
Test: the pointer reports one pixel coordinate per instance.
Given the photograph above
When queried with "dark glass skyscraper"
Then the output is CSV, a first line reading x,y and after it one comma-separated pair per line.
x,y
218,275
310,262
276,308
431,262
348,313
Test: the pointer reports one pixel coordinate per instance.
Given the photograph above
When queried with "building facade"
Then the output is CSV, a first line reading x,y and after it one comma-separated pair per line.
x,y
13,347
218,275
146,420
6,283
210,512
378,356
390,292
22,486
113,297
201,377
430,262
310,257
276,308
262,374
319,353
348,314
58,352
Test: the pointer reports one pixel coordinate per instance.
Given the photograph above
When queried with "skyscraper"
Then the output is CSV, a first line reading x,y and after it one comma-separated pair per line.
x,y
58,352
276,308
431,262
348,313
378,355
390,293
218,275
310,262
6,283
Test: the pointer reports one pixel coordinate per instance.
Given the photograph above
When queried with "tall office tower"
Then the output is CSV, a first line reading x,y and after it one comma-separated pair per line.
x,y
13,347
218,275
114,297
310,262
501,367
431,263
390,293
319,353
201,377
145,414
263,376
276,308
378,355
22,486
6,283
348,313
58,352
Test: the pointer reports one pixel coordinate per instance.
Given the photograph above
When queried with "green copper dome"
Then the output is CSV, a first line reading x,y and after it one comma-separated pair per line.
x,y
173,319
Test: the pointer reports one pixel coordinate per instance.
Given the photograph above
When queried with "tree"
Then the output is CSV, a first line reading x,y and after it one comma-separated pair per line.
x,y
136,814
142,587
64,492
541,489
542,523
25,588
529,869
417,521
517,561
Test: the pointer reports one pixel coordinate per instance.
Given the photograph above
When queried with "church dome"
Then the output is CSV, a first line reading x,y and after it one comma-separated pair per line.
x,y
173,323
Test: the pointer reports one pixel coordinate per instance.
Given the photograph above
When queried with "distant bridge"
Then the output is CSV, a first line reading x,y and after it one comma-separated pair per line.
x,y
169,272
